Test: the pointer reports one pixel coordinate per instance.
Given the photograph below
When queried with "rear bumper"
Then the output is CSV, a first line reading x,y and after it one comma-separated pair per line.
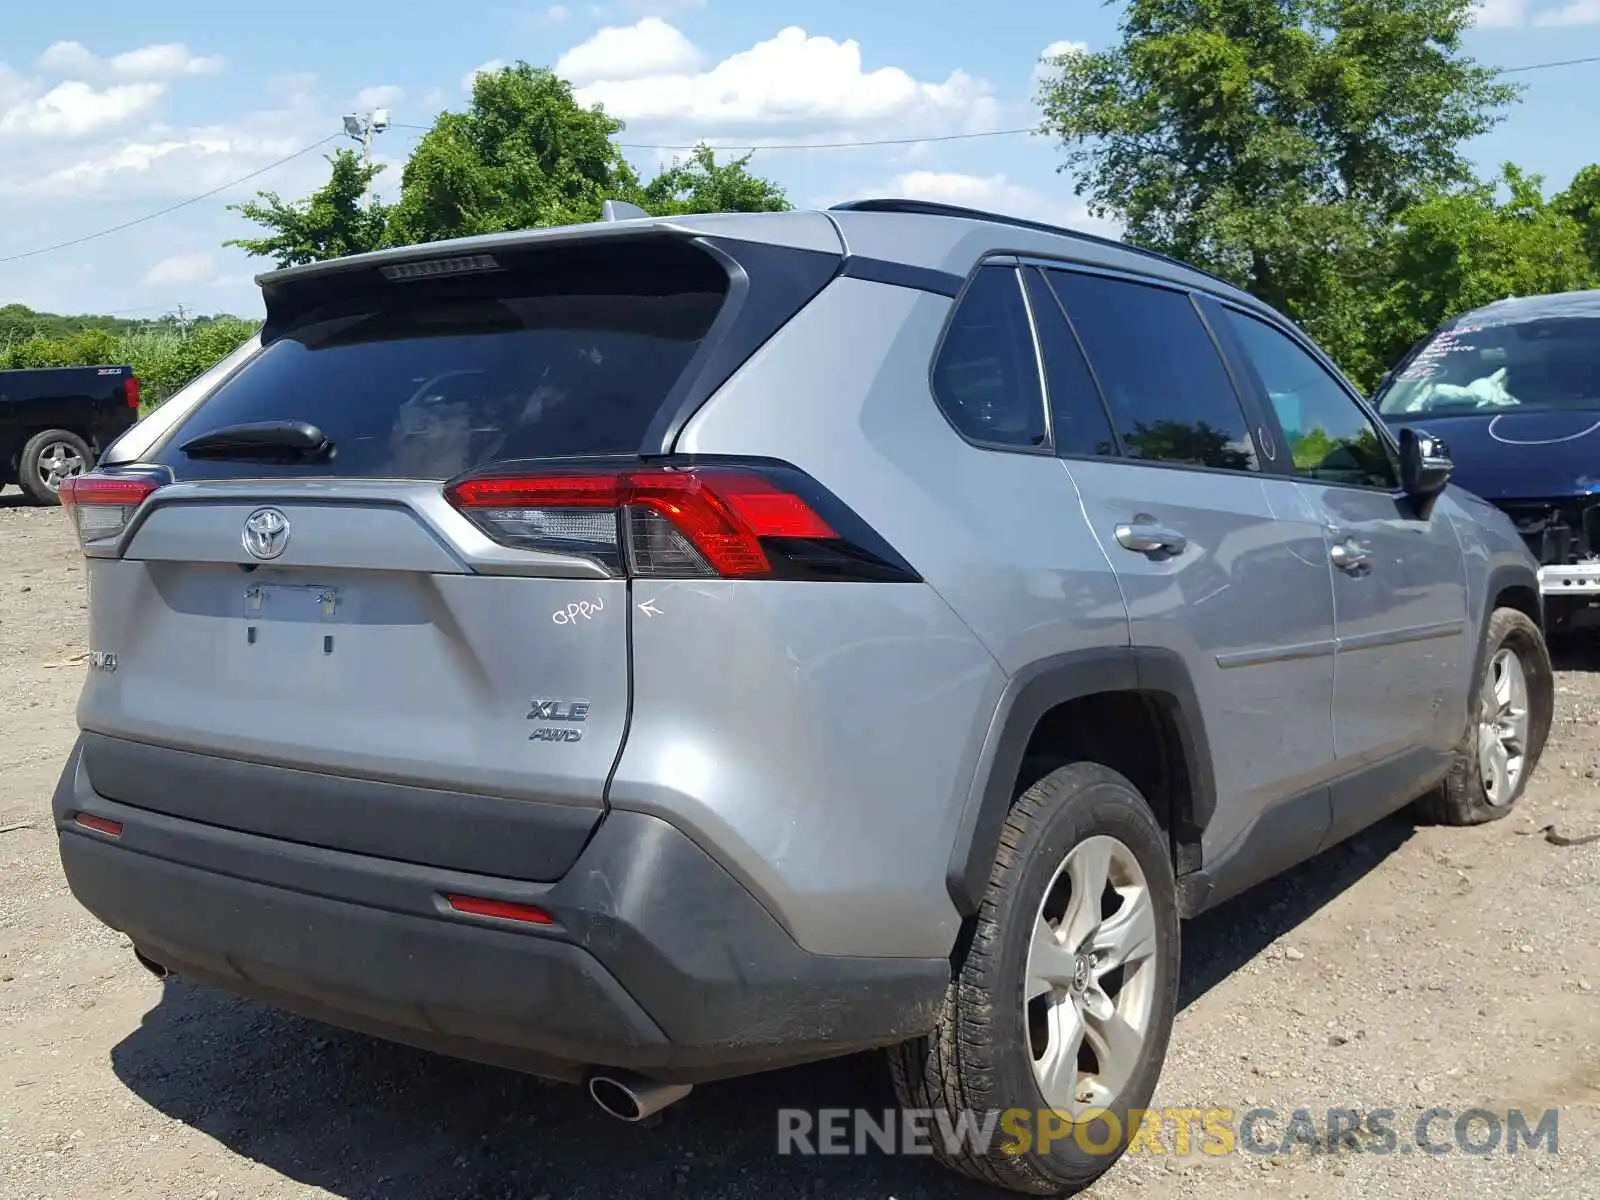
x,y
658,961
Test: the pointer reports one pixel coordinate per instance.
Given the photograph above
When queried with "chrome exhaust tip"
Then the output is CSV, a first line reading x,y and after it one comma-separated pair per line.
x,y
632,1098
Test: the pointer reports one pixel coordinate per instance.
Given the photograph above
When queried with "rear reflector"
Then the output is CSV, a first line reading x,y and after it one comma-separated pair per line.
x,y
102,505
681,522
477,906
98,824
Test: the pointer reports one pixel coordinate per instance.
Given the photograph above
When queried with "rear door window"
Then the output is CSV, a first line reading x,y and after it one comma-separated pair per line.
x,y
1168,391
424,381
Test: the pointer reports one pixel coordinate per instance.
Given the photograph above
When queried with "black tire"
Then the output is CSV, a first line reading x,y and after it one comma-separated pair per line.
x,y
33,478
979,1059
1463,799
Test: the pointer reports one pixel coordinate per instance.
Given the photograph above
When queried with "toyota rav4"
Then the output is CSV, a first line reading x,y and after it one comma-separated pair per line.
x,y
660,650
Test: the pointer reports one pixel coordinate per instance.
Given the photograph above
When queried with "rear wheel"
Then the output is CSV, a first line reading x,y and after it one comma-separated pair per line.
x,y
1510,721
1061,1009
48,460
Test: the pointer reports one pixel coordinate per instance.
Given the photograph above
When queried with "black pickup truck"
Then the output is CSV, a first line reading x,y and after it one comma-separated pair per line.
x,y
56,421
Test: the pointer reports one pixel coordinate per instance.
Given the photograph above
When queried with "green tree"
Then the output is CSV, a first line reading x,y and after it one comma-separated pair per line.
x,y
1466,247
524,154
1274,142
329,223
1581,202
700,184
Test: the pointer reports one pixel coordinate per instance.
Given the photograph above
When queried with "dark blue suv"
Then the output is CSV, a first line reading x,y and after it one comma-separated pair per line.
x,y
1513,389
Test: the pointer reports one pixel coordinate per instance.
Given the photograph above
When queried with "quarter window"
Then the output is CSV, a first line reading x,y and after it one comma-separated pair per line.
x,y
1330,438
986,378
1165,384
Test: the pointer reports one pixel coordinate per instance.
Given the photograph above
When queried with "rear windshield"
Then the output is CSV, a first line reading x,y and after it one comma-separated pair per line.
x,y
425,380
1533,365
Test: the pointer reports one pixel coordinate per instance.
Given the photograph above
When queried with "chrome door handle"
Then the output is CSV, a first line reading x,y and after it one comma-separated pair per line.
x,y
1145,538
1349,556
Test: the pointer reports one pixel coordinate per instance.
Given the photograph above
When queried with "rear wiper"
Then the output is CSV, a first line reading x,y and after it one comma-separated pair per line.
x,y
262,441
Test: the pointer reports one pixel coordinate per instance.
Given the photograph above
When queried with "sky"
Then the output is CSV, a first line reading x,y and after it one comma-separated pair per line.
x,y
113,111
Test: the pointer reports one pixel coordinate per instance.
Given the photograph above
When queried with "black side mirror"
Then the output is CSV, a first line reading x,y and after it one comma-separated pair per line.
x,y
1425,466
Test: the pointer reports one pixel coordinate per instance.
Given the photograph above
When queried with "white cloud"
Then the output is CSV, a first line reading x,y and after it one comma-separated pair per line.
x,y
797,82
67,57
1045,66
181,268
488,68
1578,12
994,193
158,160
164,60
651,47
1500,14
385,95
74,109
556,14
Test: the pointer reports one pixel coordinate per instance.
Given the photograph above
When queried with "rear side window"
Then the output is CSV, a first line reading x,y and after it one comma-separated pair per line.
x,y
426,380
1159,370
986,377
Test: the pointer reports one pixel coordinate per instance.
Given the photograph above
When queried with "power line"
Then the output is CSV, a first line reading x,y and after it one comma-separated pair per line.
x,y
89,237
768,146
1565,62
894,141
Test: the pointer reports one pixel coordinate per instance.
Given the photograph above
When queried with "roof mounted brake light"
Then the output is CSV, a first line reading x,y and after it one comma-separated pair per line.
x,y
433,268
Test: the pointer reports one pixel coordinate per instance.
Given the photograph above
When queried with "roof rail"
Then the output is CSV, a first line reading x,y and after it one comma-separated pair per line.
x,y
930,208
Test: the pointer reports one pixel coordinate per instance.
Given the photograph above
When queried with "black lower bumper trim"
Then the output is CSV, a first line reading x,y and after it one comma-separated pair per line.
x,y
658,960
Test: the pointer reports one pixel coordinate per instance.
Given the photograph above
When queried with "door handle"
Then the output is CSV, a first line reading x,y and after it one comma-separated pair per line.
x,y
1349,555
1145,538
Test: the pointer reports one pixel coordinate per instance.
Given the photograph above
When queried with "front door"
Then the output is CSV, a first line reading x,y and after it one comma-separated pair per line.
x,y
1399,589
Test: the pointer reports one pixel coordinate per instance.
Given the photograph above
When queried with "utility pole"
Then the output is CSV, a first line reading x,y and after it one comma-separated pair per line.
x,y
362,128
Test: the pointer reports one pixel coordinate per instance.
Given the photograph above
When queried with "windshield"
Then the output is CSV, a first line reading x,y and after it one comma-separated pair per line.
x,y
1536,365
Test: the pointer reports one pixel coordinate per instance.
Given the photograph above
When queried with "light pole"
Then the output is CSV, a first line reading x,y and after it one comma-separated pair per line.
x,y
362,129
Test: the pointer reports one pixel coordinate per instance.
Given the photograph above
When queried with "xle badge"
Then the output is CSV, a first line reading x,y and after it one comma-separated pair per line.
x,y
558,718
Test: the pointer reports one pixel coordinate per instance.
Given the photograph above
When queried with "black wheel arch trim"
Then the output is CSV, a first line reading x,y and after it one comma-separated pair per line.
x,y
1503,577
1028,696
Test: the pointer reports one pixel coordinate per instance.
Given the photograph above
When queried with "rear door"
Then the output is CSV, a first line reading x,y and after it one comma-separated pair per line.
x,y
330,610
1221,565
1399,582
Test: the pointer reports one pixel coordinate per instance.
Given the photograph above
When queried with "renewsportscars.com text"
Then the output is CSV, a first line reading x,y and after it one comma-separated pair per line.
x,y
1179,1131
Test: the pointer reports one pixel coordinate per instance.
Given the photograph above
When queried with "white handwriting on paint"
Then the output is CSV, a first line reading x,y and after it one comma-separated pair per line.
x,y
572,613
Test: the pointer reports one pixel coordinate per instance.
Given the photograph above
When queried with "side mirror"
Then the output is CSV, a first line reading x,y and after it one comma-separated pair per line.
x,y
1425,465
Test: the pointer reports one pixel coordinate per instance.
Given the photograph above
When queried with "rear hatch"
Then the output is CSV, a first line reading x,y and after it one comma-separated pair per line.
x,y
299,630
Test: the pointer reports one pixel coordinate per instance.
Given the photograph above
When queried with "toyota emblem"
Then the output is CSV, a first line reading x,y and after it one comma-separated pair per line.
x,y
266,533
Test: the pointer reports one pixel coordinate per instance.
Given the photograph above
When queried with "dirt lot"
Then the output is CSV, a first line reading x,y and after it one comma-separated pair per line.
x,y
1412,968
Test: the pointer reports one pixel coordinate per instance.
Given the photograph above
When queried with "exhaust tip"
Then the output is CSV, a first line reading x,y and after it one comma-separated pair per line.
x,y
634,1099
615,1098
151,965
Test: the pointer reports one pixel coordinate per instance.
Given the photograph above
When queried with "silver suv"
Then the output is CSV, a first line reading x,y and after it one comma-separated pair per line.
x,y
657,651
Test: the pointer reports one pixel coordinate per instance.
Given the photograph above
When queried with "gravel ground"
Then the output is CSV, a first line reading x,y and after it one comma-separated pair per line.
x,y
1410,968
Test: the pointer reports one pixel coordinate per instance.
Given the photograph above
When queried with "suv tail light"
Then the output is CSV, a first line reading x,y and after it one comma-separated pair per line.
x,y
130,391
102,505
694,521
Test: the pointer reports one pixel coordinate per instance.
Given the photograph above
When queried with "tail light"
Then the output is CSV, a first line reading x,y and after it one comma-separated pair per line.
x,y
130,391
695,521
102,505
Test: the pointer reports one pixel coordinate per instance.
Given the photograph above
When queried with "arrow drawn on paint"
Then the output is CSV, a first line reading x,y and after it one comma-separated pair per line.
x,y
649,609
